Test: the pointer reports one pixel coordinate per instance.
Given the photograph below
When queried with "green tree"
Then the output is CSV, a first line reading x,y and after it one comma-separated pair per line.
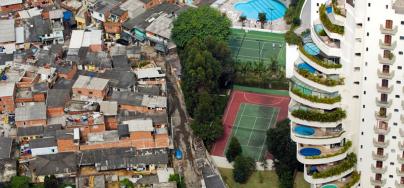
x,y
284,150
233,150
242,19
243,168
20,182
51,182
200,23
177,178
209,133
205,112
126,183
262,18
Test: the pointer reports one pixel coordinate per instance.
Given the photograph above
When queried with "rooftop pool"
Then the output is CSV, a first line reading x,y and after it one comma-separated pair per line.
x,y
273,9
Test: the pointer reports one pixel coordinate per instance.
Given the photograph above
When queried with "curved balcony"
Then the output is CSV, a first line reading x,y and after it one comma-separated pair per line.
x,y
382,117
387,46
385,74
383,89
402,118
387,61
312,180
378,170
319,136
388,31
310,103
375,182
328,155
336,19
399,185
318,64
325,44
378,130
400,172
312,123
400,159
401,145
401,131
378,157
314,84
380,144
329,27
384,104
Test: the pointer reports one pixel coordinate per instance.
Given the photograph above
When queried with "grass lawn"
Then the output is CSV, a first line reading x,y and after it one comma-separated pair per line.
x,y
300,182
270,179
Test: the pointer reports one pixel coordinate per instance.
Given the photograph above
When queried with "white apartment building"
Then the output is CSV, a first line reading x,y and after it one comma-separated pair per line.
x,y
347,94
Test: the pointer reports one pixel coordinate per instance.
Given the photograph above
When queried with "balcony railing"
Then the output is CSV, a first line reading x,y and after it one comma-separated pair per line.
x,y
385,74
383,104
379,144
379,170
382,117
387,61
375,182
381,131
399,172
383,89
387,46
401,145
401,131
400,159
378,157
388,31
398,6
402,118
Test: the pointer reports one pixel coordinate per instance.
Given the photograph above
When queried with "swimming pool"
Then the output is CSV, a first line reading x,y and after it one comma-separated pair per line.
x,y
309,152
273,9
306,67
304,130
329,186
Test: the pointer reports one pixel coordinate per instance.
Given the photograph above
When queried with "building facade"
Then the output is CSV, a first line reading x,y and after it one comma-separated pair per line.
x,y
346,87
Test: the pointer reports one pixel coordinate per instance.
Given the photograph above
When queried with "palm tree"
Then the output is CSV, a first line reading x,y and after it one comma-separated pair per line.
x,y
242,19
262,17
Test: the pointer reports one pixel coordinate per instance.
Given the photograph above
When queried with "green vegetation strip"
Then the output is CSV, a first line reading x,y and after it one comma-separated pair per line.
x,y
260,90
328,24
259,179
341,151
316,99
320,79
317,60
313,115
348,163
355,177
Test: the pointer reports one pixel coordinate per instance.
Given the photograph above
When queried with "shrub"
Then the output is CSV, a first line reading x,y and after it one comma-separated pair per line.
x,y
341,151
312,115
328,24
243,168
296,21
292,38
355,177
320,78
346,164
317,99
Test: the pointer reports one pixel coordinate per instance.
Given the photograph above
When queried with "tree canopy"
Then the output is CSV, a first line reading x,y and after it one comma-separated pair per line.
x,y
20,182
200,23
51,182
233,150
243,169
284,150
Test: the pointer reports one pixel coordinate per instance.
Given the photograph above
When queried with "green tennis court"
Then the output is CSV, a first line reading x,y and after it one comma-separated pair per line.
x,y
251,126
257,46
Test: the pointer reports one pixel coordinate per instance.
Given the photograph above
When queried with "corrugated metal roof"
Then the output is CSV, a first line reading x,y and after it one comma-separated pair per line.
x,y
7,30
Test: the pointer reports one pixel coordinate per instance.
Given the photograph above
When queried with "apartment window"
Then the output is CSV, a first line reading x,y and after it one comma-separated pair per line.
x,y
79,92
367,49
356,96
367,34
387,6
365,77
378,177
357,83
394,137
368,18
387,39
400,52
380,138
385,83
361,146
90,92
402,22
398,82
397,96
399,67
363,106
390,176
395,110
379,164
401,37
364,92
369,4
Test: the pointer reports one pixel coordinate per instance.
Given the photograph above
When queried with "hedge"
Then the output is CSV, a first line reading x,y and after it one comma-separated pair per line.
x,y
320,79
337,10
348,163
354,179
328,24
345,148
316,99
312,115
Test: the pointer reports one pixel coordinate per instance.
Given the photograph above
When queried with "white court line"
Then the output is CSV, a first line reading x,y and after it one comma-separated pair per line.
x,y
256,117
249,138
238,123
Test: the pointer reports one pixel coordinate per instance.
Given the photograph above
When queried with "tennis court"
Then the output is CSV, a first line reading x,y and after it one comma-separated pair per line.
x,y
257,46
251,126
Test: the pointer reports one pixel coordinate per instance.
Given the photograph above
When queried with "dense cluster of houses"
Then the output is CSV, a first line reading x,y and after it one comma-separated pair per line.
x,y
82,91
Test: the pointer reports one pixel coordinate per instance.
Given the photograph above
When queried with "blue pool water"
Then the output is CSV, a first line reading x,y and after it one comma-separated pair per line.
x,y
311,48
310,152
273,9
304,130
318,28
306,67
329,186
328,9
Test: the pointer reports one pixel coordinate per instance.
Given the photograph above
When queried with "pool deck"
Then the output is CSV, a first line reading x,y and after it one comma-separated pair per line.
x,y
277,26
